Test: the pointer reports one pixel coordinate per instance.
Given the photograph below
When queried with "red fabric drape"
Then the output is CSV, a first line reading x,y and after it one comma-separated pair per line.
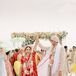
x,y
23,60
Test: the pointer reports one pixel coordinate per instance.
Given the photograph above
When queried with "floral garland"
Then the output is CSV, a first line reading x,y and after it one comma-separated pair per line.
x,y
42,35
30,37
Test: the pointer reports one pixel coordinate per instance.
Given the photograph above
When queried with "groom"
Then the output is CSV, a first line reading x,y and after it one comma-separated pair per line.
x,y
52,63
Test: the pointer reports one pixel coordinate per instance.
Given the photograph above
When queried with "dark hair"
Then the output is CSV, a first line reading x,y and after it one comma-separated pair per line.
x,y
28,47
13,50
7,53
42,50
16,50
66,47
74,47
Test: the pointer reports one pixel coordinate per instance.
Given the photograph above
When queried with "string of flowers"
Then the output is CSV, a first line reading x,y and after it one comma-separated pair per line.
x,y
30,37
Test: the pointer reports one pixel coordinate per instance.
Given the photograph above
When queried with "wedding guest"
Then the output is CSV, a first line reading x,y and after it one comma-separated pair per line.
x,y
66,48
8,65
3,71
17,65
19,61
74,54
11,57
15,54
69,59
67,65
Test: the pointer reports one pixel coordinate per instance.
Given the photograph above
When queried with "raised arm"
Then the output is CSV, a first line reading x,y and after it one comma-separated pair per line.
x,y
37,43
35,46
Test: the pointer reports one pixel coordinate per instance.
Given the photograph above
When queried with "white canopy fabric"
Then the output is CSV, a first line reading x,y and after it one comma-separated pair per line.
x,y
38,15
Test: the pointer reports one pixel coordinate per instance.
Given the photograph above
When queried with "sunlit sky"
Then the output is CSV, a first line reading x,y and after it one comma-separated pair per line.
x,y
38,16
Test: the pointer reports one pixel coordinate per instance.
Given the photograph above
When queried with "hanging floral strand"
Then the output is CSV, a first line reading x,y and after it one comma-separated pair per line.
x,y
30,37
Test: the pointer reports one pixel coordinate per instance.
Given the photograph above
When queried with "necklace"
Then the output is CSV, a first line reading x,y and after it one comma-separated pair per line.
x,y
52,55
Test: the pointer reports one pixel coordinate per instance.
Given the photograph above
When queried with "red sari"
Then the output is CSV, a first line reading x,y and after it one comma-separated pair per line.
x,y
30,70
14,58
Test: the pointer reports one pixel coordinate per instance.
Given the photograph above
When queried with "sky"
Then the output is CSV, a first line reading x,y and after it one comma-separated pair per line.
x,y
38,16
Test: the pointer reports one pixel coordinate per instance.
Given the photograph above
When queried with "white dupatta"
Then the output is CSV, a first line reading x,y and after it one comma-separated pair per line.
x,y
56,59
43,65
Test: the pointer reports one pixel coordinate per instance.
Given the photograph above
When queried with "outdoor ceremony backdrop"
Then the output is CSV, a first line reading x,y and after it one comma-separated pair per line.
x,y
38,16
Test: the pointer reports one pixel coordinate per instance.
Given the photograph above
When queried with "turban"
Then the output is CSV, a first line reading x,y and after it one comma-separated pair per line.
x,y
54,38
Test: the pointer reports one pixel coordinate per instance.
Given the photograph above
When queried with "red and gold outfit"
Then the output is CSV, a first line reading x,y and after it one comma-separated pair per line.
x,y
29,65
